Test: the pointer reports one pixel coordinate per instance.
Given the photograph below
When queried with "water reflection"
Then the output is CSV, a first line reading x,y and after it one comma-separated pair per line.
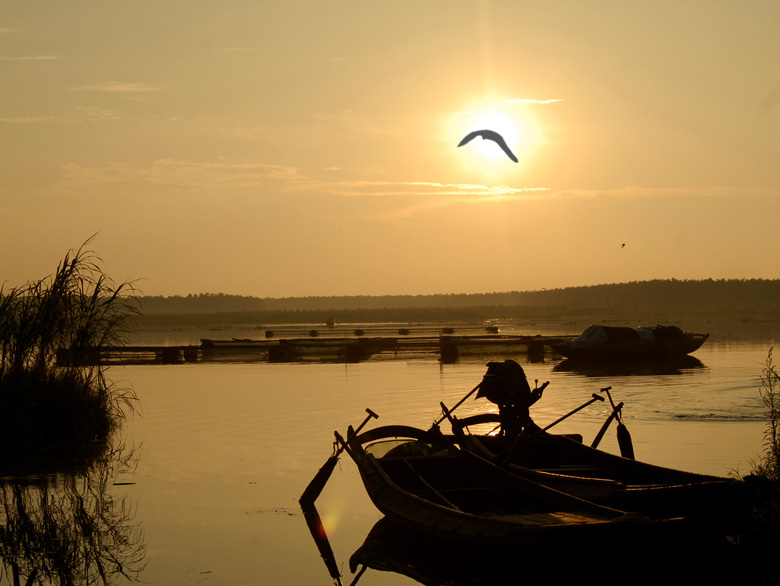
x,y
678,365
314,522
68,528
390,547
393,548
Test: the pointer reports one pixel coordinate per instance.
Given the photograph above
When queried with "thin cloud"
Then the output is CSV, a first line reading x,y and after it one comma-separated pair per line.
x,y
33,58
172,173
236,49
639,191
227,176
118,87
531,101
421,189
31,119
82,114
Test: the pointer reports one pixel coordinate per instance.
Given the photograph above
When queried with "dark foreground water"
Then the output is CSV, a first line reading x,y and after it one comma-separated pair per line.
x,y
206,487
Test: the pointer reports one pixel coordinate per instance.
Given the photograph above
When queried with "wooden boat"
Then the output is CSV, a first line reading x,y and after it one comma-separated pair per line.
x,y
600,342
422,481
564,463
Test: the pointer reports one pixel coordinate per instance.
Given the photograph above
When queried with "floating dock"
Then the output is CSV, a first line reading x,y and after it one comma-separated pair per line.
x,y
448,349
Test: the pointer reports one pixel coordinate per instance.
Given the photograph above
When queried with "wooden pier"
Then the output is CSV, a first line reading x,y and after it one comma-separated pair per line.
x,y
447,348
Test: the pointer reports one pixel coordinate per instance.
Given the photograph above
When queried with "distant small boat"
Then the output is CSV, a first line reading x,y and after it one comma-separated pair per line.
x,y
599,342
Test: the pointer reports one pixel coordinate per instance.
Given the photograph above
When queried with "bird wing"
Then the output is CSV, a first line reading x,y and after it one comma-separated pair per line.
x,y
499,140
470,136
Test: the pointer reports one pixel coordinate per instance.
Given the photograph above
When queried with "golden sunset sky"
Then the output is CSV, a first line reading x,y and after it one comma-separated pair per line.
x,y
310,148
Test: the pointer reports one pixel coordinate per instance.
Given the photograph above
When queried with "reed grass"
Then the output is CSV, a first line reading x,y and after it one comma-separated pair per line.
x,y
760,540
47,403
769,464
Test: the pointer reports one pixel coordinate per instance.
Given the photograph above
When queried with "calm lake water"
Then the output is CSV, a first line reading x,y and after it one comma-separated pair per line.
x,y
220,453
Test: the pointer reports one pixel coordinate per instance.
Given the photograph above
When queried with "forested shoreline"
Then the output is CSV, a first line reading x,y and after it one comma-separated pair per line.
x,y
759,295
741,299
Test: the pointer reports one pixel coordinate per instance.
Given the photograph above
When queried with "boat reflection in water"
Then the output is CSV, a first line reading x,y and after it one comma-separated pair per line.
x,y
390,547
67,527
661,366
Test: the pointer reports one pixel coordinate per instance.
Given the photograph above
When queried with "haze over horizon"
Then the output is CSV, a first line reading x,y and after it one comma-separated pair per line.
x,y
310,149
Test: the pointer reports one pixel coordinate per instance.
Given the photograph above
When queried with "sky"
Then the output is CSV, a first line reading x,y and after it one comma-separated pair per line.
x,y
288,148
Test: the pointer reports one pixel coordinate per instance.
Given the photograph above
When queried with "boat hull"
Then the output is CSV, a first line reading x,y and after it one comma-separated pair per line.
x,y
566,464
458,496
603,343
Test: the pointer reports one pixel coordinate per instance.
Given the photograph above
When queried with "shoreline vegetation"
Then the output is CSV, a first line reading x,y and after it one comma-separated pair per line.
x,y
758,544
47,410
697,303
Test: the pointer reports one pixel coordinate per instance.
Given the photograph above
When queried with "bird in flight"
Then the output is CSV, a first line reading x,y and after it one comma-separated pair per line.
x,y
489,135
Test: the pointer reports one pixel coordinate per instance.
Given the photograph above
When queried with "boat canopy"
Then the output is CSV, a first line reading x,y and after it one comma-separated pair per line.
x,y
599,334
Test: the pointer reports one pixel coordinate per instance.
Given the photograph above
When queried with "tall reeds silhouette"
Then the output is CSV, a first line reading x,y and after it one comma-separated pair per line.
x,y
769,464
53,389
759,544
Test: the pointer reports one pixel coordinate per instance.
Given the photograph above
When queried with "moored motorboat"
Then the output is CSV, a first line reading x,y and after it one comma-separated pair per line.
x,y
599,342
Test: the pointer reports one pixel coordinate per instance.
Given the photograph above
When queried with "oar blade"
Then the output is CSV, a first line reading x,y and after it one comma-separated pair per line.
x,y
625,442
317,483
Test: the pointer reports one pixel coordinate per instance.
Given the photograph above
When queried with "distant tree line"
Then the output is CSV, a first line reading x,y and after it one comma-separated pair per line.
x,y
199,303
696,296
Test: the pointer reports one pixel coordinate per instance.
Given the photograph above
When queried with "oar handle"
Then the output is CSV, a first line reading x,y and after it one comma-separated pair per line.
x,y
523,438
615,408
371,415
341,443
570,413
353,432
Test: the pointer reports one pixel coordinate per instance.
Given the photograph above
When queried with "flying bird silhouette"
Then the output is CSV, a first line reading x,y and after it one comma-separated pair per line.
x,y
489,135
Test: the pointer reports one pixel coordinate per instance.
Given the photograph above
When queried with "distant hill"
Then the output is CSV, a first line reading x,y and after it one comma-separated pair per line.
x,y
753,296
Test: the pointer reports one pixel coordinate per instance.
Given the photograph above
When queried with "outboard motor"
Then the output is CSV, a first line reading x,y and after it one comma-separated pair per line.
x,y
506,385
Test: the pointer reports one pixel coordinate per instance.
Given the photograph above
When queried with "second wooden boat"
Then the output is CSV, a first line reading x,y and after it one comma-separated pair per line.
x,y
566,464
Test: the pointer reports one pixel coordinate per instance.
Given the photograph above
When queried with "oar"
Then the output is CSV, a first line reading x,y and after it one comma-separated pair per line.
x,y
517,441
623,437
602,431
458,404
323,474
